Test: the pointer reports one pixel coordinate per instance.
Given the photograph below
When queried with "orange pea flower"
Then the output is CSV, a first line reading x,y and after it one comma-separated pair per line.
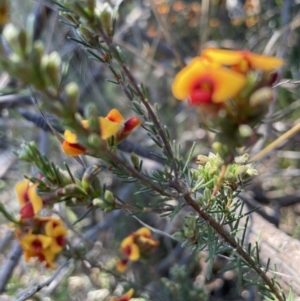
x,y
129,248
125,297
42,238
35,243
58,234
204,82
126,127
243,60
30,202
122,265
113,124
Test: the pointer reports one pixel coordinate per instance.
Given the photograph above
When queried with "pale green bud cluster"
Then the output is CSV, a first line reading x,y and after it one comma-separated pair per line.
x,y
209,170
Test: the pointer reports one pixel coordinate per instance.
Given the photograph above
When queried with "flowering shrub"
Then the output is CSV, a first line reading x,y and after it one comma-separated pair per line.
x,y
196,191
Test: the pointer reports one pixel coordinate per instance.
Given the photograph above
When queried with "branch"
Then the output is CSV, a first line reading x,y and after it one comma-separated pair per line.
x,y
38,287
232,242
9,265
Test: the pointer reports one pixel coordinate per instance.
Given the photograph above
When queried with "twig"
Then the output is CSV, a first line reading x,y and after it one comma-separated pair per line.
x,y
276,142
38,287
133,172
9,265
232,242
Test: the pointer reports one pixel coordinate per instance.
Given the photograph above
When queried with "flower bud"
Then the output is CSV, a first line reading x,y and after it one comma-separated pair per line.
x,y
11,35
202,160
71,96
94,140
71,190
92,117
261,97
99,203
109,197
51,65
135,160
106,18
89,176
245,131
242,159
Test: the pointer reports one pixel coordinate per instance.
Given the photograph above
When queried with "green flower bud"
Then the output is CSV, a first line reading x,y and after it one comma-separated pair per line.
x,y
106,18
38,51
11,35
99,203
71,96
22,37
245,131
72,190
95,141
261,97
92,117
89,176
135,160
109,197
242,159
202,160
51,65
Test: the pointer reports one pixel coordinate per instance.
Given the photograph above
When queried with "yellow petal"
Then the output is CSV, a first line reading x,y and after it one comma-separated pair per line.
x,y
72,149
127,241
227,84
128,295
129,248
122,265
108,128
29,241
48,256
35,199
85,124
184,80
134,252
222,56
144,231
115,116
22,192
70,136
51,224
265,63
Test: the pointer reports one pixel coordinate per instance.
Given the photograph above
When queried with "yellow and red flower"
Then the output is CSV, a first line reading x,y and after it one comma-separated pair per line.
x,y
122,265
35,243
30,202
125,297
42,238
242,60
113,124
136,243
204,82
129,248
58,233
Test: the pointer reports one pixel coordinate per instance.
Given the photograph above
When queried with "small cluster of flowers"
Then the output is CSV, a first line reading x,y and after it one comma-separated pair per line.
x,y
134,246
237,81
113,125
40,237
